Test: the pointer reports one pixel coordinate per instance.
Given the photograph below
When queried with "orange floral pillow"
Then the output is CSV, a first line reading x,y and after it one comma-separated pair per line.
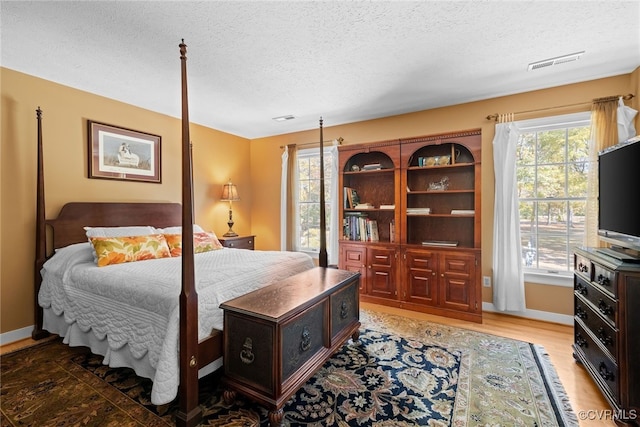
x,y
116,250
202,242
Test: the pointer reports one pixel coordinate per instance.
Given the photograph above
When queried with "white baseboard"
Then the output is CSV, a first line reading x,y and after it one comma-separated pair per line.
x,y
16,335
547,316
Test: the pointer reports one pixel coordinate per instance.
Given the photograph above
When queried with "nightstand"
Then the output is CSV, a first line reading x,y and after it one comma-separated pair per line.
x,y
240,242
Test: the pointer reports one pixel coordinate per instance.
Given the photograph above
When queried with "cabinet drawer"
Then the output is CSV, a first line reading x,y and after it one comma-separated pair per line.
x,y
599,299
605,368
381,257
599,327
246,242
354,256
344,308
302,337
605,278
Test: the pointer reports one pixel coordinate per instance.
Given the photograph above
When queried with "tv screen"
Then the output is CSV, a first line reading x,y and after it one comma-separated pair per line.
x,y
619,191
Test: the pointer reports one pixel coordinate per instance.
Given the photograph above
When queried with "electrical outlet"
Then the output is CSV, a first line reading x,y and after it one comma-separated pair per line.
x,y
486,281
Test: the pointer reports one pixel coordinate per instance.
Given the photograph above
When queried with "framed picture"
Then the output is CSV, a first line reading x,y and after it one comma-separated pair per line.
x,y
123,154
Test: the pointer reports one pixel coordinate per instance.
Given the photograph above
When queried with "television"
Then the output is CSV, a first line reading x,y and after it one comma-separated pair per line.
x,y
618,199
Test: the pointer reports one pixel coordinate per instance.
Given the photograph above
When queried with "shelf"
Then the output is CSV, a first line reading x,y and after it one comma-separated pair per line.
x,y
439,192
375,171
444,215
439,167
369,210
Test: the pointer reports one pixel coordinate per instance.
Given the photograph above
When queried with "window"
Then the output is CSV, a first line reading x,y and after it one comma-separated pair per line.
x,y
308,198
552,165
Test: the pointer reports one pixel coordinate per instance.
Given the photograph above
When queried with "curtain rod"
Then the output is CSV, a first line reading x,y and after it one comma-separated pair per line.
x,y
608,98
339,139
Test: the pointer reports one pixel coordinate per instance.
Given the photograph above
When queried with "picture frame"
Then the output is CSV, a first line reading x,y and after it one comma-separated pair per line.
x,y
123,154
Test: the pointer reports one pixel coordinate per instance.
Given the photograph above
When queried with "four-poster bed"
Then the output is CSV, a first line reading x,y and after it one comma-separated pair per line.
x,y
183,332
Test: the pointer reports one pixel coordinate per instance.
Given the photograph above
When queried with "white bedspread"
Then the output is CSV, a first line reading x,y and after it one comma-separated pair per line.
x,y
137,304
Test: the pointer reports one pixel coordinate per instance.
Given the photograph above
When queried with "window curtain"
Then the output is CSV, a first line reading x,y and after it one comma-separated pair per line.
x,y
508,275
334,227
604,134
288,186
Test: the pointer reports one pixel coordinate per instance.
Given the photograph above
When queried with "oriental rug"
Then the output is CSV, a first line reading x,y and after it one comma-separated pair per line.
x,y
401,372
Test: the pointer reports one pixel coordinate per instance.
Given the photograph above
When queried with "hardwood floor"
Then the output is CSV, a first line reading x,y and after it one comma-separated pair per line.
x,y
556,339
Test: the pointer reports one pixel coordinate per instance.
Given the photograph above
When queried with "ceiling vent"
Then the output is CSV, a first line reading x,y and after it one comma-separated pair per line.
x,y
555,61
284,118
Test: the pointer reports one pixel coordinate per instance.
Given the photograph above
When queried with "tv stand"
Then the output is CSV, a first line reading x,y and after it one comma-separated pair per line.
x,y
620,254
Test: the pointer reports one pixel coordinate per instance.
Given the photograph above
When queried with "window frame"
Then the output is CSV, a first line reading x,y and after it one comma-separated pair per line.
x,y
565,121
310,153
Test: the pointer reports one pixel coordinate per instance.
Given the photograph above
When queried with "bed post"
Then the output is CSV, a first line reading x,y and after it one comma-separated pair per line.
x,y
322,256
189,413
41,246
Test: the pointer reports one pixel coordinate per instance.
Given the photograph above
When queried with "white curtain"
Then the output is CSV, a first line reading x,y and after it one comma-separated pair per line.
x,y
283,199
332,237
508,276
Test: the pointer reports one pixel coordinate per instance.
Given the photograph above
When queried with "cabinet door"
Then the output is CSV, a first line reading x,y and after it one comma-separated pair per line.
x,y
381,266
421,279
458,281
354,258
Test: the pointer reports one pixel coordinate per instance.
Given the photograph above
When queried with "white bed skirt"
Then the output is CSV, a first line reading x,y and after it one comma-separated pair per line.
x,y
114,358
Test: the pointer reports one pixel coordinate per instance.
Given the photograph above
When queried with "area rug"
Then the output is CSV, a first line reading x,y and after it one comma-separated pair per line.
x,y
401,372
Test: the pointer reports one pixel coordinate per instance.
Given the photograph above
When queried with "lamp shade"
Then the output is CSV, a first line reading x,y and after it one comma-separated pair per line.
x,y
229,193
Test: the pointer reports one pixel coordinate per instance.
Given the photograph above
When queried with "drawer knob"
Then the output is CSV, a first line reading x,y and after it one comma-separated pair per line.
x,y
246,354
604,337
582,289
603,280
583,268
604,308
305,343
581,313
580,341
605,373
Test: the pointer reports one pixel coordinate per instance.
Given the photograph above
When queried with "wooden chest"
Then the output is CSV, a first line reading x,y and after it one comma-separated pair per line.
x,y
277,337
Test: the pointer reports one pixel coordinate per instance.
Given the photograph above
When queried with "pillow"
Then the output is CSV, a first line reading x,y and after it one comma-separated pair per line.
x,y
136,230
202,242
139,230
178,230
117,250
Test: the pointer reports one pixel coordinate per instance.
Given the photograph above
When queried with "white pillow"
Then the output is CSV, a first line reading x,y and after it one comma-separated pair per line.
x,y
177,230
138,230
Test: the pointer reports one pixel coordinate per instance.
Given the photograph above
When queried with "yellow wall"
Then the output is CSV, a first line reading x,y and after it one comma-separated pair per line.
x,y
265,155
217,157
253,165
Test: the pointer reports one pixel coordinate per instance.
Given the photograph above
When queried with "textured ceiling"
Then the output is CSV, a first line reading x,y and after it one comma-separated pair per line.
x,y
346,61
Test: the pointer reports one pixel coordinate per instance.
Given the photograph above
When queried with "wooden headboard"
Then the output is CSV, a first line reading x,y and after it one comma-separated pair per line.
x,y
68,226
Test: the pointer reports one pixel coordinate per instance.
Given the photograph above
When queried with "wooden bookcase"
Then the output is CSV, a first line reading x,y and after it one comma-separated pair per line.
x,y
431,262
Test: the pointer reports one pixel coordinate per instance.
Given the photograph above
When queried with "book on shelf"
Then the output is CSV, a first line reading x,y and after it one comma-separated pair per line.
x,y
418,211
387,206
440,243
372,167
373,231
392,231
363,206
360,228
462,211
